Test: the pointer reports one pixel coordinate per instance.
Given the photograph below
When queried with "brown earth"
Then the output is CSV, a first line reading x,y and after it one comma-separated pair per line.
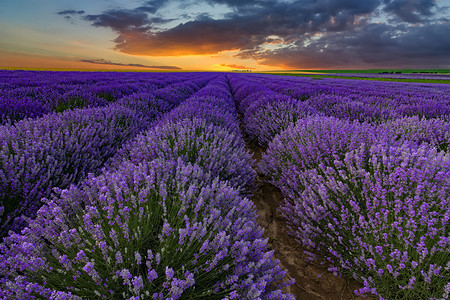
x,y
268,199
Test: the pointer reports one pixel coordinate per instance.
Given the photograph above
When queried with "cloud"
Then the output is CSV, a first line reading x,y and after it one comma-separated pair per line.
x,y
412,11
290,33
152,6
102,61
233,66
246,28
121,20
237,3
374,45
71,12
192,38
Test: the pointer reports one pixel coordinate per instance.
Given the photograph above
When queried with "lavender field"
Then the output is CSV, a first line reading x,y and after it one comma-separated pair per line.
x,y
141,185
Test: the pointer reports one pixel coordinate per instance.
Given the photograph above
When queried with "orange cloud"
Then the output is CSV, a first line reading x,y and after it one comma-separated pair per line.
x,y
102,61
234,66
176,44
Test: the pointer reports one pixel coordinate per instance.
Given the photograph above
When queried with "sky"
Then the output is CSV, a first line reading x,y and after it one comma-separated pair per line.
x,y
224,35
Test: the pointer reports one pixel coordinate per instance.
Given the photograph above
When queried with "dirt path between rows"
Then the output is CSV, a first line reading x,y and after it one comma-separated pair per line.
x,y
313,280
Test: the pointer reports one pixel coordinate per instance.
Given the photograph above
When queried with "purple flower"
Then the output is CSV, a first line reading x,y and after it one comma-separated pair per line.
x,y
119,258
138,284
169,273
152,275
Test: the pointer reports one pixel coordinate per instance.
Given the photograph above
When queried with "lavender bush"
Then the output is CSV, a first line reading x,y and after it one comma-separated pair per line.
x,y
146,231
266,121
426,108
178,92
379,214
55,151
208,111
242,90
146,104
217,89
212,147
113,92
435,132
12,110
225,104
77,99
312,141
260,97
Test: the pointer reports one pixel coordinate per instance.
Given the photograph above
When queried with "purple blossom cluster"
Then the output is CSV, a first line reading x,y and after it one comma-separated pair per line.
x,y
178,92
167,220
435,132
60,149
205,134
146,104
32,94
195,141
380,215
56,151
312,141
266,113
364,169
376,207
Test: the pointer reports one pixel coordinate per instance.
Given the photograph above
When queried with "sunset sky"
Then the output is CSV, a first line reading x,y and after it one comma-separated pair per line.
x,y
225,34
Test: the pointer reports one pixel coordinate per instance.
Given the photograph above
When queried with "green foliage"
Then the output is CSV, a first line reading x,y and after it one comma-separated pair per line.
x,y
72,103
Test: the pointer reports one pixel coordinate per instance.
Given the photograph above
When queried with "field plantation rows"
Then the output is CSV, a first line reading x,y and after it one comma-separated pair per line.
x,y
137,185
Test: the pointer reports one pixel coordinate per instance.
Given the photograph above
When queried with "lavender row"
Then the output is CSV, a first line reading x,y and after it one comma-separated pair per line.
x,y
374,205
34,94
160,223
207,135
360,100
366,195
266,113
61,149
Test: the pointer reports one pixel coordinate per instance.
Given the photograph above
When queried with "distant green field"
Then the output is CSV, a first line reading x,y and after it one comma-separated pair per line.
x,y
365,78
387,71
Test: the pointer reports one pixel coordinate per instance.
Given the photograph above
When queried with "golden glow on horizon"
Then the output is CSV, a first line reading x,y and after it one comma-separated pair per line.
x,y
223,62
22,47
17,60
218,67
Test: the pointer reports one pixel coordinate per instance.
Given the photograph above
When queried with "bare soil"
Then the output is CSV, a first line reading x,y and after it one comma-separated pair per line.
x,y
313,280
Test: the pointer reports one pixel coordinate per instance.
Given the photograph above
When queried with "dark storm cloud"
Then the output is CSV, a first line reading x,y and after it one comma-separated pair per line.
x,y
205,36
302,33
238,3
246,28
374,45
102,61
412,11
152,6
121,20
137,19
71,12
125,20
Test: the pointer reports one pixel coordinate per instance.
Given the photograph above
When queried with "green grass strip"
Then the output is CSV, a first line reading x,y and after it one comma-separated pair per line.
x,y
442,81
